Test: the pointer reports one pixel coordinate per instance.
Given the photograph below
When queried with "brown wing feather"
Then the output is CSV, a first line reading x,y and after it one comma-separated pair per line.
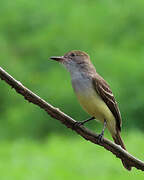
x,y
104,91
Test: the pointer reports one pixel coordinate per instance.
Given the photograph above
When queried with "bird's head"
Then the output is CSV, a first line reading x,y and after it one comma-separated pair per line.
x,y
74,60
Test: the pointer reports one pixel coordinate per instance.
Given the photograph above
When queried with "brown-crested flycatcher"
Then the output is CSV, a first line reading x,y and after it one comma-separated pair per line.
x,y
93,93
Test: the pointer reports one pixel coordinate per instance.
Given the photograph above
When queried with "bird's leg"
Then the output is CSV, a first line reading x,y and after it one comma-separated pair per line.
x,y
100,136
83,122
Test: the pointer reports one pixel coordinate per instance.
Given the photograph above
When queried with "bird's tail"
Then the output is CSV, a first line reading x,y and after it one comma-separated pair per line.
x,y
118,140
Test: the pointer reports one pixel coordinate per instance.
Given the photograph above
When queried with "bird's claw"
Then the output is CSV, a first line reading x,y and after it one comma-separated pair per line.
x,y
100,138
80,123
76,124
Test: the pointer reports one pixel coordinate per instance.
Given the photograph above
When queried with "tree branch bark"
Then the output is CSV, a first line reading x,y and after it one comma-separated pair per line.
x,y
69,122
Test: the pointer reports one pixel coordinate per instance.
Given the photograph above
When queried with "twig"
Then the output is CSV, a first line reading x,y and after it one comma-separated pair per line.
x,y
69,122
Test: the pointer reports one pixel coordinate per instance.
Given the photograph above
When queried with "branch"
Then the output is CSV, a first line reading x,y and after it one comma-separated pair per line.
x,y
69,122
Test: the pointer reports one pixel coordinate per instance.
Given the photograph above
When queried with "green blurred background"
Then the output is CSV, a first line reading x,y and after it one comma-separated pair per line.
x,y
35,146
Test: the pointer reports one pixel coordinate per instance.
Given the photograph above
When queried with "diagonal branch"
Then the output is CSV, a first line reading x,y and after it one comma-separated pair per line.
x,y
69,122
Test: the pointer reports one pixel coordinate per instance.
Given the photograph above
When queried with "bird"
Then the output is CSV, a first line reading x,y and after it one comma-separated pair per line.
x,y
94,94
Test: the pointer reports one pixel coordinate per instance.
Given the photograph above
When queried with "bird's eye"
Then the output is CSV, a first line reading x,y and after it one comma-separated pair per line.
x,y
72,54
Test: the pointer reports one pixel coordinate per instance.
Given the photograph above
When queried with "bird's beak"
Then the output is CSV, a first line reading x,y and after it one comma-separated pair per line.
x,y
57,58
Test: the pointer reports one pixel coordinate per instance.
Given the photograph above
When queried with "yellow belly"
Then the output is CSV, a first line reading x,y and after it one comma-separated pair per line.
x,y
92,102
95,106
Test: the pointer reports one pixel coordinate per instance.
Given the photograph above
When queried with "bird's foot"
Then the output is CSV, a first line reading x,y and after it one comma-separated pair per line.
x,y
79,123
100,137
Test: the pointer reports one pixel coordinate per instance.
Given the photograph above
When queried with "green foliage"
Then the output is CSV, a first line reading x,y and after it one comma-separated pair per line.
x,y
32,31
60,158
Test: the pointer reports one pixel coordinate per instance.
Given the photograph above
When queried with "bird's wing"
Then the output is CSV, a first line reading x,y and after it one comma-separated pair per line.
x,y
104,91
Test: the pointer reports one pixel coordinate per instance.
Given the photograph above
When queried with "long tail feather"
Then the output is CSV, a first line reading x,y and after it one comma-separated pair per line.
x,y
118,140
